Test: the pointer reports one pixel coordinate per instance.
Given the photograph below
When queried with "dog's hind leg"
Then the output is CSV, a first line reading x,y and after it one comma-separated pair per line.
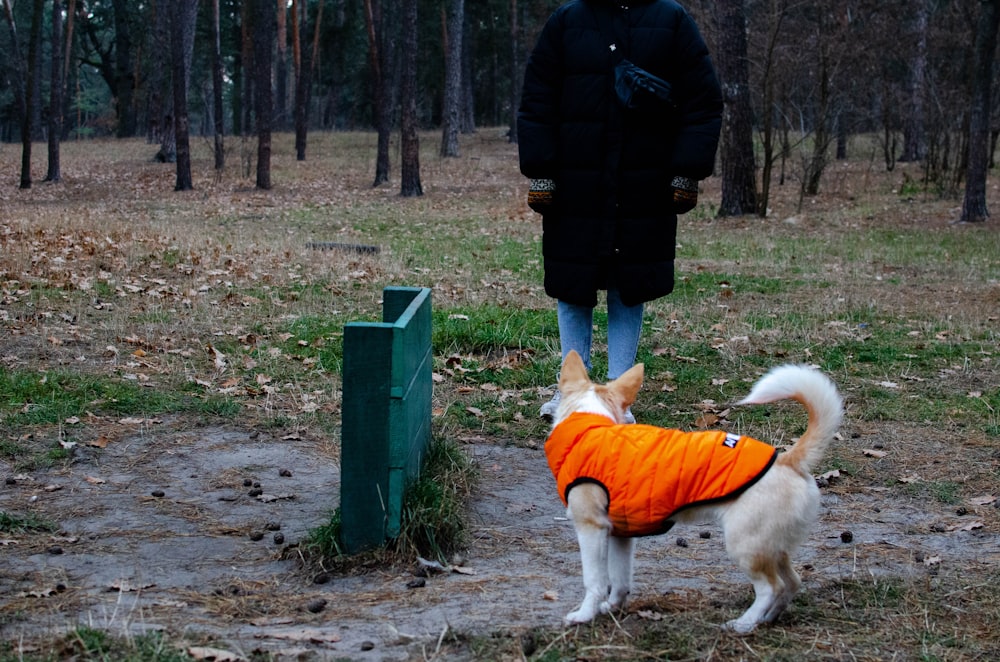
x,y
620,552
588,511
767,586
790,586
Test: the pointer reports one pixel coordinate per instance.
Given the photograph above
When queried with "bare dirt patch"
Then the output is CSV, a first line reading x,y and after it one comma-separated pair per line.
x,y
193,531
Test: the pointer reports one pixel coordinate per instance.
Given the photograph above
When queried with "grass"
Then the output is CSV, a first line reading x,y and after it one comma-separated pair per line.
x,y
120,298
433,521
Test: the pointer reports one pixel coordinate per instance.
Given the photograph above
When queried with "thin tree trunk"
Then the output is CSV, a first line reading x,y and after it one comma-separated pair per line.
x,y
124,69
739,184
56,94
914,139
68,72
20,99
304,60
183,14
451,107
217,110
263,42
515,71
409,140
379,54
27,126
974,206
281,65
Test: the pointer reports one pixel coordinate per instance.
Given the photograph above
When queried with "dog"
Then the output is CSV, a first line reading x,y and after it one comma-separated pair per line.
x,y
618,483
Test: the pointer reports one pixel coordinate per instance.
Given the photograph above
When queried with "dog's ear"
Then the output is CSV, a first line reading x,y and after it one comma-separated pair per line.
x,y
627,386
573,372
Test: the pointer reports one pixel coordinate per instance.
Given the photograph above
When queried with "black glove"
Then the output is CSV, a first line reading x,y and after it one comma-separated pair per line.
x,y
685,194
540,192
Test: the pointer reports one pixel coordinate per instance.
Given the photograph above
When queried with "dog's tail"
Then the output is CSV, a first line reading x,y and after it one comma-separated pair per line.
x,y
817,393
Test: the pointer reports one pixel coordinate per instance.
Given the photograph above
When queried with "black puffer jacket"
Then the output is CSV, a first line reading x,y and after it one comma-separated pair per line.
x,y
611,219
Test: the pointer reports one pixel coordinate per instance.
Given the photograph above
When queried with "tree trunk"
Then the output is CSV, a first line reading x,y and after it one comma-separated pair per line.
x,y
409,140
56,94
218,112
739,184
27,124
515,72
68,72
770,114
20,98
124,69
281,65
450,112
381,46
468,96
304,62
183,14
263,42
974,206
914,140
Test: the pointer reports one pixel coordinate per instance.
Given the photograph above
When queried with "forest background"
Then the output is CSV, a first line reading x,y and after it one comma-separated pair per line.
x,y
800,76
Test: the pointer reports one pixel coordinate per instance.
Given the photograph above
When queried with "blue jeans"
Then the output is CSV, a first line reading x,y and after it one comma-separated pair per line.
x,y
576,326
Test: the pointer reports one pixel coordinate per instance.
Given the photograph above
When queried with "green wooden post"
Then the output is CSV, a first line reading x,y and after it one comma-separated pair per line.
x,y
386,415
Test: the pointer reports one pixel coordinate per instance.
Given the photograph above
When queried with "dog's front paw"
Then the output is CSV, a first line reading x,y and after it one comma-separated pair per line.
x,y
584,614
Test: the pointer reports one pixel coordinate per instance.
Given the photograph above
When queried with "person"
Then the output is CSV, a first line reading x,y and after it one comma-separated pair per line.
x,y
608,172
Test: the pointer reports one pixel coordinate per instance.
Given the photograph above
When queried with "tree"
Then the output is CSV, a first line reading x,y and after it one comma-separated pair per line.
x,y
20,96
739,183
409,141
183,15
304,62
56,94
30,94
974,206
381,51
452,105
217,72
124,68
263,42
914,147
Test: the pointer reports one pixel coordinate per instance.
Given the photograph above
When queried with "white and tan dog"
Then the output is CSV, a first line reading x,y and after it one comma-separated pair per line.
x,y
627,492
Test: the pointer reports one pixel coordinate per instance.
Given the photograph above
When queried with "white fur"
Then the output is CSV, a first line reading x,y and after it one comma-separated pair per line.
x,y
763,526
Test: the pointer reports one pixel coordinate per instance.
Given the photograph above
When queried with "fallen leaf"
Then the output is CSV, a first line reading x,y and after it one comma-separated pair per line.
x,y
888,384
5,542
478,413
95,481
100,442
983,500
912,478
551,596
650,615
706,421
870,452
830,475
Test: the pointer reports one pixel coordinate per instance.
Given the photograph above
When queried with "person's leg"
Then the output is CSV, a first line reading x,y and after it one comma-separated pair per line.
x,y
624,329
576,330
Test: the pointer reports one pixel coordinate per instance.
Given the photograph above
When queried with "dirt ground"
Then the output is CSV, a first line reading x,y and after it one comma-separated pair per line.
x,y
193,532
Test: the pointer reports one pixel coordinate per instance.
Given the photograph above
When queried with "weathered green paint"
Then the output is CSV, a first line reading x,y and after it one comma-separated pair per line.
x,y
386,415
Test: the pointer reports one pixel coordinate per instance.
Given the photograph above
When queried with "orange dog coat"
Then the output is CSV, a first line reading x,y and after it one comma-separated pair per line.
x,y
650,473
